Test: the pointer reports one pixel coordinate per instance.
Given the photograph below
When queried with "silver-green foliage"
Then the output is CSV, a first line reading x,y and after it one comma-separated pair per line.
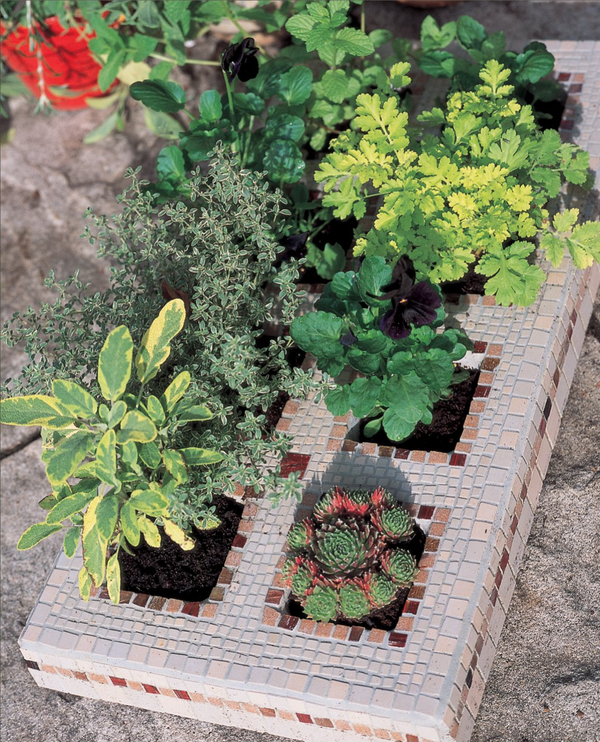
x,y
219,251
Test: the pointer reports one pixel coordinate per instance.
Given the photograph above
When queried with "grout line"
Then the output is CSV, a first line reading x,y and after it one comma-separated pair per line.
x,y
21,445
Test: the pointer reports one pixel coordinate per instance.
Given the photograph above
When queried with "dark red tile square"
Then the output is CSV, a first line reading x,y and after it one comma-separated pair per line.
x,y
274,596
103,594
141,599
564,76
402,453
288,622
411,606
504,560
239,541
458,459
184,695
575,87
32,665
304,718
494,596
397,640
479,346
542,428
482,391
191,609
151,689
355,633
294,462
118,681
426,512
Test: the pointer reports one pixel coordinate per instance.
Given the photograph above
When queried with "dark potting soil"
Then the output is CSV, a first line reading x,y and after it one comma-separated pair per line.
x,y
446,426
554,108
470,283
171,572
384,618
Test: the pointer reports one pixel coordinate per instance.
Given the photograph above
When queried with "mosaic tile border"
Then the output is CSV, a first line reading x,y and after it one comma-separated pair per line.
x,y
277,596
339,440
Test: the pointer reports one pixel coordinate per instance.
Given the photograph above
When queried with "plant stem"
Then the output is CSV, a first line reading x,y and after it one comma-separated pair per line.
x,y
363,24
231,108
207,62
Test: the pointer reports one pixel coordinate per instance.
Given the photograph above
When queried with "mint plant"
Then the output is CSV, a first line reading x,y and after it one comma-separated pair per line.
x,y
477,193
347,559
122,456
383,325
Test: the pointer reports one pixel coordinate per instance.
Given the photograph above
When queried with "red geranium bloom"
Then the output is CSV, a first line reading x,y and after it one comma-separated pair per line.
x,y
66,61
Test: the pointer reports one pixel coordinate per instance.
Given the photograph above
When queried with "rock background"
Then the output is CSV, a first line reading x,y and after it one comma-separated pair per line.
x,y
545,682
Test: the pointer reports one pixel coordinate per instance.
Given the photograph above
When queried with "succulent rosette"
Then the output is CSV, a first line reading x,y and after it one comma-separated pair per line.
x,y
347,559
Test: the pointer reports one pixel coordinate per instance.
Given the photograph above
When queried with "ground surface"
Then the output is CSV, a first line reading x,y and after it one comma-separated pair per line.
x,y
545,681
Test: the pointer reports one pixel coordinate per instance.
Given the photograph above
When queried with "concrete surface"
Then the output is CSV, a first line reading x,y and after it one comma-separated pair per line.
x,y
545,681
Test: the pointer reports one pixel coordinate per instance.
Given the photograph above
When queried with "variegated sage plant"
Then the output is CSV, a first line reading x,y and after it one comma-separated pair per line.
x,y
112,467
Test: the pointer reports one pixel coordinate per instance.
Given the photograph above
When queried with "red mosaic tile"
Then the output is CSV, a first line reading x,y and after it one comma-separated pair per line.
x,y
125,596
103,594
386,451
184,695
118,681
239,541
191,609
442,515
217,593
349,445
412,738
151,689
355,633
564,76
504,560
514,524
411,606
482,391
294,462
489,364
32,665
479,346
288,622
556,377
225,577
417,592
494,596
80,675
305,718
542,428
426,512
268,712
575,88
157,603
431,544
495,350
402,453
141,599
397,640
458,459
274,596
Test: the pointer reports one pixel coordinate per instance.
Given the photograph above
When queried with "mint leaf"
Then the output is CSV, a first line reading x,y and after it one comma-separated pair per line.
x,y
338,400
318,333
364,394
159,95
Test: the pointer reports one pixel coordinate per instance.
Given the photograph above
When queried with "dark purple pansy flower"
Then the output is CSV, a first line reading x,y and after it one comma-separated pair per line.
x,y
412,304
239,60
348,339
294,247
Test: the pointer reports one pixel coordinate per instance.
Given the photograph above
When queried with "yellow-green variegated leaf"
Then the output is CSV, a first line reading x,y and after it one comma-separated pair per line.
x,y
65,457
86,471
150,455
76,399
85,584
152,502
129,523
175,465
106,457
113,578
116,414
70,541
69,506
107,513
114,364
155,347
155,410
197,413
129,453
36,533
48,502
136,427
150,531
175,533
176,389
94,544
207,521
33,409
200,456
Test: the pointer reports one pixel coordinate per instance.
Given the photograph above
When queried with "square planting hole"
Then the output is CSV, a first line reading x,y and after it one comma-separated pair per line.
x,y
450,437
391,624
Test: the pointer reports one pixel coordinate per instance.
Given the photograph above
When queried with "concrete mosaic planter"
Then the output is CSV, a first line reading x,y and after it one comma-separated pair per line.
x,y
240,659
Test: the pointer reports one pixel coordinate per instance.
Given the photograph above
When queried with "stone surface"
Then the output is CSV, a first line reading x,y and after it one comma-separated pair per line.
x,y
544,683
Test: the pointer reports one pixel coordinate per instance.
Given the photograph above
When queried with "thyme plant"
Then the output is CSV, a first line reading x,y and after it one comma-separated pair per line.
x,y
217,254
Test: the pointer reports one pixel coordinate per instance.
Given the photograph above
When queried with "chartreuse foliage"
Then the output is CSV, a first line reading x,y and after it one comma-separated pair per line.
x,y
478,191
343,562
121,455
528,69
401,379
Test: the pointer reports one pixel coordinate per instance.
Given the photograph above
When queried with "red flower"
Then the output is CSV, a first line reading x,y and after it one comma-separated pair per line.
x,y
66,62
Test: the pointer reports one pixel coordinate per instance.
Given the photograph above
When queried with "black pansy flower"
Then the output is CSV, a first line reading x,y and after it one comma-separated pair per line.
x,y
348,339
294,247
239,60
412,304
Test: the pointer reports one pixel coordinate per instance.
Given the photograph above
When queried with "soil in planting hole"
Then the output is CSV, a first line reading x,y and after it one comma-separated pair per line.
x,y
384,618
171,572
470,283
446,426
553,108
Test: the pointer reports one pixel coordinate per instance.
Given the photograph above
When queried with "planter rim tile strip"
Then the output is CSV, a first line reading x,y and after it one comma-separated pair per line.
x,y
238,672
